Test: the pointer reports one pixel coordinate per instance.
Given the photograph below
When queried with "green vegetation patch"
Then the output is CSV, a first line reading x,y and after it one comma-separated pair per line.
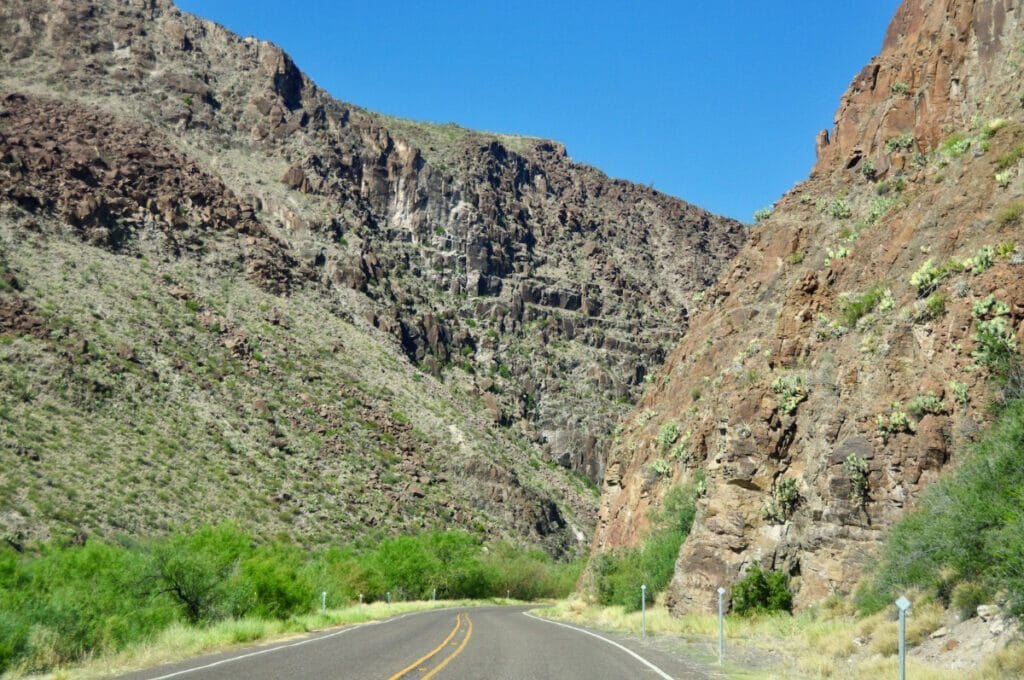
x,y
66,602
762,592
618,575
856,307
968,529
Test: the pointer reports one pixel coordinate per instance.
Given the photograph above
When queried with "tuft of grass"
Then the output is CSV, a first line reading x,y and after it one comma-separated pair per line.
x,y
856,307
1010,215
1008,159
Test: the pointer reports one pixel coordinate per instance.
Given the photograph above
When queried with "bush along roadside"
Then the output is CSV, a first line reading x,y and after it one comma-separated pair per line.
x,y
618,575
63,602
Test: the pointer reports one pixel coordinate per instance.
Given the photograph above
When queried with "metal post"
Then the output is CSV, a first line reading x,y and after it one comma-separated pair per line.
x,y
323,601
360,598
389,597
903,604
433,598
643,610
721,625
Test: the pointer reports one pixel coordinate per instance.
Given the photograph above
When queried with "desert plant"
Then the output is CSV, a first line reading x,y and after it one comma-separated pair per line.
x,y
837,254
867,168
839,208
668,434
791,391
661,467
961,393
785,498
899,87
856,469
763,213
926,278
926,403
904,140
981,261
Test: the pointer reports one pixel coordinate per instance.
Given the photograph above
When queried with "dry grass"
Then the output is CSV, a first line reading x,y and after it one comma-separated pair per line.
x,y
825,642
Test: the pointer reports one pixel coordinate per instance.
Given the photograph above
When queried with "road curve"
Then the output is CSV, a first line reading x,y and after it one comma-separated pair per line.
x,y
485,643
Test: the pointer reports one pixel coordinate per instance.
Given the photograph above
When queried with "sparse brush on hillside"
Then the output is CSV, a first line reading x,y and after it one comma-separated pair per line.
x,y
66,602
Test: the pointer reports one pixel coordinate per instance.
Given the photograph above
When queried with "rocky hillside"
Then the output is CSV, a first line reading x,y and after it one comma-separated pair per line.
x,y
227,294
832,371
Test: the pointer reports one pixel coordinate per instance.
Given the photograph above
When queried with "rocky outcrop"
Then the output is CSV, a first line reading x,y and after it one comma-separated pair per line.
x,y
828,376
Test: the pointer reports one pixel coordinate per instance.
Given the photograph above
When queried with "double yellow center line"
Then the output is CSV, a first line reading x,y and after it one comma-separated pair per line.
x,y
444,662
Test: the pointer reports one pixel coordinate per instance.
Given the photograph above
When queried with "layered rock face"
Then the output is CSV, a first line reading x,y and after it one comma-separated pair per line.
x,y
213,266
831,373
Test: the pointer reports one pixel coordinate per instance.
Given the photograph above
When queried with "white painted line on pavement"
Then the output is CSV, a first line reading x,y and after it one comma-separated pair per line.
x,y
611,642
258,653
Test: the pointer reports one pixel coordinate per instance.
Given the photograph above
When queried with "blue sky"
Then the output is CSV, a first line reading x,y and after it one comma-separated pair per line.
x,y
716,103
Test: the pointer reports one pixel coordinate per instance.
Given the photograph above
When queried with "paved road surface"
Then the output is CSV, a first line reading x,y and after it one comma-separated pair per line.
x,y
486,643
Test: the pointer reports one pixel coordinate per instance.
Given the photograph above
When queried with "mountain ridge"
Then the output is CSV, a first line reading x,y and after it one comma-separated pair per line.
x,y
518,282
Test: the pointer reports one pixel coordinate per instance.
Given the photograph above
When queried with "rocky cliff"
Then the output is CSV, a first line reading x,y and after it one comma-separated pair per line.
x,y
832,372
181,204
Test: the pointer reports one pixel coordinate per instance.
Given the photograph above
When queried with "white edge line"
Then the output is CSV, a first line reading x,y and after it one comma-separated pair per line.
x,y
257,653
275,648
599,637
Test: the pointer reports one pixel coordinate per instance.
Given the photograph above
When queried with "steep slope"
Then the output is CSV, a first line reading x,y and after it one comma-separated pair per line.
x,y
229,295
832,371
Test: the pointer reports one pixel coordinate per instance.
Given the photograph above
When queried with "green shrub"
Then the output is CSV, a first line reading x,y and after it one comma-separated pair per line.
x,y
934,306
762,592
618,575
762,214
66,602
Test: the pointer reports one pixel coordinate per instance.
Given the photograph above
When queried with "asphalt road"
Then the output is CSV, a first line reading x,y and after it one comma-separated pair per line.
x,y
492,643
